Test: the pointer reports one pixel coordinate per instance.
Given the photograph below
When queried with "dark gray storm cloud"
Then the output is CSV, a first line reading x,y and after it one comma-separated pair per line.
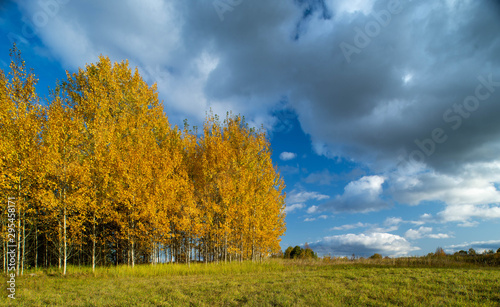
x,y
378,103
410,89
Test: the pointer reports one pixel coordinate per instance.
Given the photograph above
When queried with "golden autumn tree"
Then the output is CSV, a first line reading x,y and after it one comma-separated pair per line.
x,y
183,211
6,152
268,201
162,187
237,186
258,197
67,176
21,123
194,178
133,143
211,175
96,94
118,109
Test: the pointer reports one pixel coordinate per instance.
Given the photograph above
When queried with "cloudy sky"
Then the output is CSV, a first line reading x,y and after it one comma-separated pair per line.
x,y
383,115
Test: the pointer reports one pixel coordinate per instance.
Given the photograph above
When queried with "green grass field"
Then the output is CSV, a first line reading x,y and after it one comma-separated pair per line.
x,y
272,283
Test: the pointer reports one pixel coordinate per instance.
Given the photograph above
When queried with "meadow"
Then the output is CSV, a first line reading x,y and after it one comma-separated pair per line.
x,y
274,282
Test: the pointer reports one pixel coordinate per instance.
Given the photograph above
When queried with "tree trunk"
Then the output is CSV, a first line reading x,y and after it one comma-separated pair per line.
x,y
36,244
24,244
93,245
225,247
117,253
46,254
133,254
59,248
65,243
152,256
205,251
241,246
188,250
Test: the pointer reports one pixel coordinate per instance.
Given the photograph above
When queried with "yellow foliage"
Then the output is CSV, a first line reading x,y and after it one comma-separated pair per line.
x,y
108,174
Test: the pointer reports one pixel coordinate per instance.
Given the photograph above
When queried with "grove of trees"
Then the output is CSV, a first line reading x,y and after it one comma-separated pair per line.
x,y
98,176
298,252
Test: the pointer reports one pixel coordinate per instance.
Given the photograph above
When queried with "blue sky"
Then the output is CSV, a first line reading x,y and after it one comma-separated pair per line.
x,y
382,115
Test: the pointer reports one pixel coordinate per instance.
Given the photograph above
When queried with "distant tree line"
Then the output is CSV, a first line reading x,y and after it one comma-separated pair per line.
x,y
439,257
487,257
298,252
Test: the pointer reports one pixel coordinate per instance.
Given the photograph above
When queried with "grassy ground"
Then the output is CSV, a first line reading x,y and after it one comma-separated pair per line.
x,y
273,283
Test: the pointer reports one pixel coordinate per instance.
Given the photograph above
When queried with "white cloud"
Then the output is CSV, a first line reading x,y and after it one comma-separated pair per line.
x,y
291,208
364,245
311,219
286,156
303,196
469,194
390,223
384,229
312,209
424,232
350,226
362,195
418,223
417,234
366,184
463,213
393,221
468,224
296,200
426,217
464,188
